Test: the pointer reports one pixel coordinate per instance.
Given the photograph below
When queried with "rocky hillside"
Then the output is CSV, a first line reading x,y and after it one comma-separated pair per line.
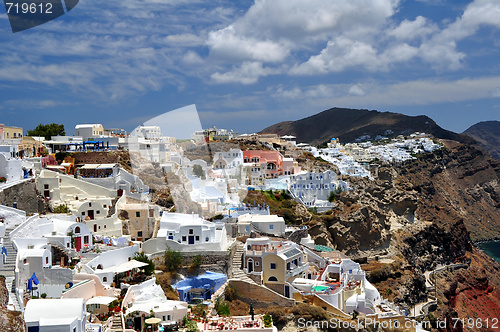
x,y
487,134
10,321
414,218
349,124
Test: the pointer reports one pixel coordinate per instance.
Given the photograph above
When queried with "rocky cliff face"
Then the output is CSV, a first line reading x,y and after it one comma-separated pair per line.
x,y
11,321
420,215
364,218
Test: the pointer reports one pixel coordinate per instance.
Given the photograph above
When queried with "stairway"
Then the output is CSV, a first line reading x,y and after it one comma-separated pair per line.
x,y
237,272
117,322
8,270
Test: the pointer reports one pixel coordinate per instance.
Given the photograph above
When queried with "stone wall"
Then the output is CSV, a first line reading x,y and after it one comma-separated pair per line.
x,y
25,196
213,261
259,296
96,157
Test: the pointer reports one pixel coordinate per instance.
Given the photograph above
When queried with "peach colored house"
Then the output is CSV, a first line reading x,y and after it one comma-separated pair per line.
x,y
271,162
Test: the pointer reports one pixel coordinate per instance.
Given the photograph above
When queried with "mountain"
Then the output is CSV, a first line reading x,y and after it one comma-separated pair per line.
x,y
487,135
349,124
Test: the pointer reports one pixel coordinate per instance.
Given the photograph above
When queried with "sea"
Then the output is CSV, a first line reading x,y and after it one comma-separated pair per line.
x,y
492,249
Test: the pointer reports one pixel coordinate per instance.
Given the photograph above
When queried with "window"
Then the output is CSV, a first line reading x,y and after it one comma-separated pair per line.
x,y
46,260
25,261
45,186
83,213
98,212
163,318
138,214
77,229
139,234
206,239
105,279
256,263
168,317
90,204
197,238
86,239
271,226
183,239
272,278
273,266
104,206
191,231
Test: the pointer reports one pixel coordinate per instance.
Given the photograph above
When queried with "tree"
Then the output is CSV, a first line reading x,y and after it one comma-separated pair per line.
x,y
63,208
198,171
173,260
141,257
48,130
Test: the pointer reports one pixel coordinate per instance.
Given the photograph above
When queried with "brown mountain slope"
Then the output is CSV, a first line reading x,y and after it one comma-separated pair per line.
x,y
487,134
349,124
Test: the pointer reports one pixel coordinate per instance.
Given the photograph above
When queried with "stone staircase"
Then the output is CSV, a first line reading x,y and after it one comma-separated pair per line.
x,y
237,272
117,322
8,270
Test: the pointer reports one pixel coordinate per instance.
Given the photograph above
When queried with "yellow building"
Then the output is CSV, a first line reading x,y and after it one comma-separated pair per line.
x,y
30,147
12,132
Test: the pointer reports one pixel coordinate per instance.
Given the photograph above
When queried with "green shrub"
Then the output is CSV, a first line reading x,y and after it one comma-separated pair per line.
x,y
173,260
141,257
63,208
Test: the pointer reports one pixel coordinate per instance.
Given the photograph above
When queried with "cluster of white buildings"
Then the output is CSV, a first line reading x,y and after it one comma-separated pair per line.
x,y
82,259
357,159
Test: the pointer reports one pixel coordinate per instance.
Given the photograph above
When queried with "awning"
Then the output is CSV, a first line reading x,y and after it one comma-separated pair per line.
x,y
90,166
104,300
124,267
105,166
66,164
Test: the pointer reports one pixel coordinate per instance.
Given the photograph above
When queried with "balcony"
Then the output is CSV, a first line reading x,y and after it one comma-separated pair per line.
x,y
294,270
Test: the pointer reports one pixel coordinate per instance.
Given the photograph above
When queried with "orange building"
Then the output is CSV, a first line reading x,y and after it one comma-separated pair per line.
x,y
271,162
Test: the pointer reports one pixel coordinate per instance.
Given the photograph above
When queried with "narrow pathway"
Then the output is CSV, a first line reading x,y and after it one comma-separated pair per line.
x,y
8,270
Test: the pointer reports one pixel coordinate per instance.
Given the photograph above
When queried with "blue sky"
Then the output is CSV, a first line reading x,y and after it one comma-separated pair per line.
x,y
249,64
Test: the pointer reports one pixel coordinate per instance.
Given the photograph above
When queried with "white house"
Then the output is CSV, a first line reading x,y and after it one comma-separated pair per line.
x,y
113,177
187,232
55,315
269,224
59,229
91,203
313,189
111,264
89,130
149,297
229,159
10,168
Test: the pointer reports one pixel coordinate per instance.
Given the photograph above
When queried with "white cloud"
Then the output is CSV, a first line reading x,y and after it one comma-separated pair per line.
x,y
227,44
356,90
410,30
418,92
247,73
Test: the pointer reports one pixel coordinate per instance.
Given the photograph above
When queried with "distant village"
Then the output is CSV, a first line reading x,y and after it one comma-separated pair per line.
x,y
92,263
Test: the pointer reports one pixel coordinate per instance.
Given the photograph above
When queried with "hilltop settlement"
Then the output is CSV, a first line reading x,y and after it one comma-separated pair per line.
x,y
113,231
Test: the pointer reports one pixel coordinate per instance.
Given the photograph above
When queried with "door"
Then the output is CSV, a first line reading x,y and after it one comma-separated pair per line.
x,y
250,266
191,239
287,291
78,243
90,213
46,193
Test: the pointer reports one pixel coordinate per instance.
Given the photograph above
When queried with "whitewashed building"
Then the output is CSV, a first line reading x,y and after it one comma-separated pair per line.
x,y
313,189
55,315
149,297
187,232
268,224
